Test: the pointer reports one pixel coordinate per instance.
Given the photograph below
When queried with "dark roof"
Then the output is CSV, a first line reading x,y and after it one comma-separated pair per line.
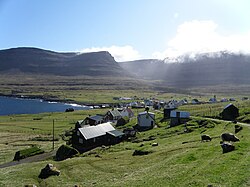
x,y
96,118
115,113
145,113
115,133
96,131
229,105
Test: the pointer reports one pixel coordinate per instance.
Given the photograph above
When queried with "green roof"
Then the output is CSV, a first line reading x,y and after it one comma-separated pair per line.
x,y
115,133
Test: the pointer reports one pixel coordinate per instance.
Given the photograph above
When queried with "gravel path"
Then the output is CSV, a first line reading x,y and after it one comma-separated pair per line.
x,y
35,158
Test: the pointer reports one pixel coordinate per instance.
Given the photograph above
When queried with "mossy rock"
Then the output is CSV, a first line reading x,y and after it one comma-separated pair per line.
x,y
65,152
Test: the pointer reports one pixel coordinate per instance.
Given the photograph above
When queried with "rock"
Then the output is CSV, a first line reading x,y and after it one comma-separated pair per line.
x,y
140,152
49,170
227,147
155,144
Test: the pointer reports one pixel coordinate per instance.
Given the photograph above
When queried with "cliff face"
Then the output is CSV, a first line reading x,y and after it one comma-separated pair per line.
x,y
202,71
34,60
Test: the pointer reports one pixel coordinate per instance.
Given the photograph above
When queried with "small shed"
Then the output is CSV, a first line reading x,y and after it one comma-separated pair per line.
x,y
114,137
178,117
230,112
146,120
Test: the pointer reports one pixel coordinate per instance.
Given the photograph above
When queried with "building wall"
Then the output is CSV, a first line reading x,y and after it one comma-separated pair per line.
x,y
146,120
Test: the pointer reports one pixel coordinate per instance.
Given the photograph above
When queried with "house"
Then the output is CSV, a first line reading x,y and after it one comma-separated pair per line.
x,y
93,120
127,112
195,101
167,112
182,102
213,100
172,104
230,112
113,115
89,137
224,100
178,117
145,120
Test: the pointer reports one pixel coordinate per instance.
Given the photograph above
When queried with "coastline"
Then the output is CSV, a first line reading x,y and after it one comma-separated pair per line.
x,y
57,100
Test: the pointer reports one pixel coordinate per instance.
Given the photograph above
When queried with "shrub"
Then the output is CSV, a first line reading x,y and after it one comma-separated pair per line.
x,y
65,152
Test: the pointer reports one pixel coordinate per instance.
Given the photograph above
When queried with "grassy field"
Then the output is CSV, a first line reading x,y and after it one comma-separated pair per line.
x,y
172,163
180,159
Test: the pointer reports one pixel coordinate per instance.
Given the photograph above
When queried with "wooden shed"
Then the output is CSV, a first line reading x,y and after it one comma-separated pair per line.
x,y
230,112
178,117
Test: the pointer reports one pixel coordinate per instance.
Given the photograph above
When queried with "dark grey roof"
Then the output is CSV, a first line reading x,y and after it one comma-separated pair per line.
x,y
96,118
115,113
115,133
96,131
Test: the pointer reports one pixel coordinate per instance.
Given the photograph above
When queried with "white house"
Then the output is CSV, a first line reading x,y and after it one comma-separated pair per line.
x,y
146,120
127,112
195,101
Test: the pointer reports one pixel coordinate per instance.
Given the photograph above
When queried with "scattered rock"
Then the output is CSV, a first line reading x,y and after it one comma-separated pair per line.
x,y
229,137
155,144
227,147
140,152
205,137
237,128
49,170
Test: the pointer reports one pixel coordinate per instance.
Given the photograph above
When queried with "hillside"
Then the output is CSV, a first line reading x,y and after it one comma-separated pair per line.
x,y
34,60
203,70
180,159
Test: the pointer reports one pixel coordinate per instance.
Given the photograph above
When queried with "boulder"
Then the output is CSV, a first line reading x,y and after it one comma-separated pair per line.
x,y
229,137
49,170
205,137
227,147
65,152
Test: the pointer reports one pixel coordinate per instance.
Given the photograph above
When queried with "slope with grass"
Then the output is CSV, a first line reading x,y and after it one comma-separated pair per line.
x,y
180,159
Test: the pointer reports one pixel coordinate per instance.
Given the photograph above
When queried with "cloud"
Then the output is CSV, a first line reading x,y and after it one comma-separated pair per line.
x,y
202,36
120,53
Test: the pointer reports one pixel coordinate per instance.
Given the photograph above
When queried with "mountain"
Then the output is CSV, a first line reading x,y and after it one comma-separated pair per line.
x,y
202,70
39,61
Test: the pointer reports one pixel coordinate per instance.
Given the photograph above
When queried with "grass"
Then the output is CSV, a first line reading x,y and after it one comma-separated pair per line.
x,y
172,163
180,159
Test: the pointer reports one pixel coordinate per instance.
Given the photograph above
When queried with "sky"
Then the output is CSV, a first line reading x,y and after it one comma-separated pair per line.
x,y
128,29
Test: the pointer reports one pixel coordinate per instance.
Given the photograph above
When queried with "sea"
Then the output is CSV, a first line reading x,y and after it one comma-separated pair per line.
x,y
12,105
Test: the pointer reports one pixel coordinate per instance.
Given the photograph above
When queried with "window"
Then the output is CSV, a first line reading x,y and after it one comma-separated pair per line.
x,y
81,140
78,133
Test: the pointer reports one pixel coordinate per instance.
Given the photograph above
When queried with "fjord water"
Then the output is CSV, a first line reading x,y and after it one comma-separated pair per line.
x,y
10,105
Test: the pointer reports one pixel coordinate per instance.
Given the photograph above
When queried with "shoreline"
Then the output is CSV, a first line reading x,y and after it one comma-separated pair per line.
x,y
55,99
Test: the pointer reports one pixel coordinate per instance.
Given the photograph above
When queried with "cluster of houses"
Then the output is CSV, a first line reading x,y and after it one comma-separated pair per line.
x,y
98,130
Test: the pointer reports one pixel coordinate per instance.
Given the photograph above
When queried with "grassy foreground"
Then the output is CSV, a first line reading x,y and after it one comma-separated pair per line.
x,y
171,163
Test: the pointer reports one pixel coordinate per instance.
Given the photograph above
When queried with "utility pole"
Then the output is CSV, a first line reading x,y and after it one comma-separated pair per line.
x,y
53,132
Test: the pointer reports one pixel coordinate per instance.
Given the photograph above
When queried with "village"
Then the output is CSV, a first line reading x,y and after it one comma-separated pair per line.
x,y
99,129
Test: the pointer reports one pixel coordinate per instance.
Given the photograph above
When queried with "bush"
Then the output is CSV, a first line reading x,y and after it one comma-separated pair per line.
x,y
65,152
